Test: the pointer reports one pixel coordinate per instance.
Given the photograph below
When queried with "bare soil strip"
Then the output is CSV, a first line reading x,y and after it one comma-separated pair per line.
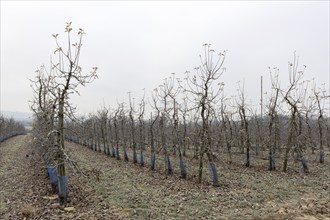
x,y
112,189
25,191
16,180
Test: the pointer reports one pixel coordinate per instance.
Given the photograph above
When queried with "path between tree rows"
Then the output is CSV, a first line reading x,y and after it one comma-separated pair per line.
x,y
114,189
25,191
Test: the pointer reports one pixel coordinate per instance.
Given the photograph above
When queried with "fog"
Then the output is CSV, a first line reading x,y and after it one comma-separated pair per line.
x,y
137,44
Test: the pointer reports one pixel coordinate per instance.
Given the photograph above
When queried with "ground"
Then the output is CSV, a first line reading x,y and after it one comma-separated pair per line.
x,y
112,189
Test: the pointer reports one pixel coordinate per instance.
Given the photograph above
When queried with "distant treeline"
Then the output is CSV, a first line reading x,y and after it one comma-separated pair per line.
x,y
10,127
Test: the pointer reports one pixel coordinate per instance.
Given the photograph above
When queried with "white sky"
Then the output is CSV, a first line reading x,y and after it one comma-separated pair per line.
x,y
137,44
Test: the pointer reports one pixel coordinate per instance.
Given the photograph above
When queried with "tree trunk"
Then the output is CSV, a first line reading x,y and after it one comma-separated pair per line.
x,y
321,155
247,137
271,145
152,144
290,143
200,169
62,179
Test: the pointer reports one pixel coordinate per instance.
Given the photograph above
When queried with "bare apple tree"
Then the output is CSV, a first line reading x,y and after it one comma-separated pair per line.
x,y
245,134
273,141
44,105
132,121
142,128
320,96
205,88
163,94
292,97
67,76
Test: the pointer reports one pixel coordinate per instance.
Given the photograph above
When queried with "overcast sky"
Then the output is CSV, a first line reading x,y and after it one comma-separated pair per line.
x,y
137,44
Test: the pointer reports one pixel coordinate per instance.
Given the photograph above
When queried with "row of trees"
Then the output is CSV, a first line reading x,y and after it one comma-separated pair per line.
x,y
189,118
192,118
9,128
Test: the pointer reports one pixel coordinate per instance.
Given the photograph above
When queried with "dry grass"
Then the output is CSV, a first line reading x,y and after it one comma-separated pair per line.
x,y
123,190
27,210
134,192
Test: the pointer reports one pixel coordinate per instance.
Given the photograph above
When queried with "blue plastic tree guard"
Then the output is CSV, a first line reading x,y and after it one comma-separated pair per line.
x,y
63,189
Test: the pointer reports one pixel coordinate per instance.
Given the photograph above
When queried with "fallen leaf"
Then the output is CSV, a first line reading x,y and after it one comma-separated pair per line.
x,y
69,209
50,197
